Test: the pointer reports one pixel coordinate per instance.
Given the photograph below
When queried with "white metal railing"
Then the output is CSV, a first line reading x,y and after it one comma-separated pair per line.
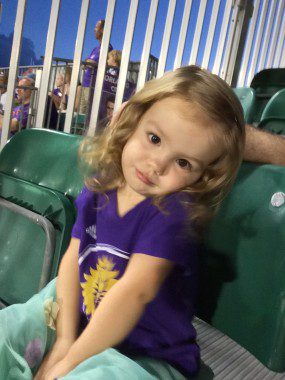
x,y
13,69
264,46
47,62
76,64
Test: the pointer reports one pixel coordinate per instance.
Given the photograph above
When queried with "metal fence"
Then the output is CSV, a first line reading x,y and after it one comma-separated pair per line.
x,y
238,39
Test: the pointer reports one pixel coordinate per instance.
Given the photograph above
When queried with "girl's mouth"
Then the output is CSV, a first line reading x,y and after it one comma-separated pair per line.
x,y
143,178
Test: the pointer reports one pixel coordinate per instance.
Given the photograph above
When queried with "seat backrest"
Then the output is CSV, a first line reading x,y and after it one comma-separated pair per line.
x,y
266,83
275,108
44,157
39,179
243,266
246,96
273,125
267,78
273,116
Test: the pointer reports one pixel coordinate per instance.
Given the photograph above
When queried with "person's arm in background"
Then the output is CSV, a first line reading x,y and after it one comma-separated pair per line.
x,y
13,126
91,61
56,99
77,98
264,147
67,290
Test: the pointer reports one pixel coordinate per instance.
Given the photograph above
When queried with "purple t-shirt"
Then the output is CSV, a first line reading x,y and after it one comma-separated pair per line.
x,y
95,54
21,113
107,242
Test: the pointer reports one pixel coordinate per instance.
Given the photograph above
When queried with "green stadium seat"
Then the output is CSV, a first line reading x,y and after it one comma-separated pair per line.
x,y
273,116
246,96
243,267
266,83
39,180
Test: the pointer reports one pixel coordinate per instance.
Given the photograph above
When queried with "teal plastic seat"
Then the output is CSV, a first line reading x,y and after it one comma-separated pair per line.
x,y
273,116
266,83
39,180
46,158
246,96
243,266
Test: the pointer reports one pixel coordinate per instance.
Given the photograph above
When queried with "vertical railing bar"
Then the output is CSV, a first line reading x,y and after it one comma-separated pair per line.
x,y
248,47
231,49
76,64
126,53
101,67
282,58
166,38
275,34
259,32
47,62
48,112
222,37
14,62
147,44
182,35
267,31
279,43
59,111
198,31
211,32
236,20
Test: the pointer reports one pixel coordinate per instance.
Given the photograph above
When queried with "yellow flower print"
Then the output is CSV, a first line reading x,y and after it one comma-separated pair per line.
x,y
98,283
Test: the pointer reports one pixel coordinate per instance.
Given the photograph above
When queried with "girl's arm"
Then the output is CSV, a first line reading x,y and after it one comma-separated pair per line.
x,y
118,312
67,290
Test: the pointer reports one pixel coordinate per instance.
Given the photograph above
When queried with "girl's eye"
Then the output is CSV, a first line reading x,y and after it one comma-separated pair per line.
x,y
184,164
154,139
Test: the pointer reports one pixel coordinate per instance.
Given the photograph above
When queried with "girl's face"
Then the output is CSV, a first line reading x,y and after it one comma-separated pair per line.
x,y
170,149
59,81
111,61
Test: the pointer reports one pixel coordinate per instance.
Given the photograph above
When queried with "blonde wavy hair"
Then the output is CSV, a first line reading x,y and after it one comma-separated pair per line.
x,y
116,55
192,84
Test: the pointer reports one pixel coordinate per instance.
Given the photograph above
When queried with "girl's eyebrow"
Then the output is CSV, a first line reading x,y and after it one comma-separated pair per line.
x,y
156,125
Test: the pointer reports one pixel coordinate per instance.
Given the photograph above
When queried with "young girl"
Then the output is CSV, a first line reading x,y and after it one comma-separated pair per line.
x,y
114,58
169,157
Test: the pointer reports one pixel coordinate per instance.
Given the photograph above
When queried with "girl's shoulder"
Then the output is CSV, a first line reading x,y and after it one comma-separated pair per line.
x,y
177,203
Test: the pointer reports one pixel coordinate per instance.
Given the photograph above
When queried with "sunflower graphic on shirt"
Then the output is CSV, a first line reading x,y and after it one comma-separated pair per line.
x,y
97,283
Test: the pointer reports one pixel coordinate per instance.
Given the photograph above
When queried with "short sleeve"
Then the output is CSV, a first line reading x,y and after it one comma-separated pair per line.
x,y
166,236
80,203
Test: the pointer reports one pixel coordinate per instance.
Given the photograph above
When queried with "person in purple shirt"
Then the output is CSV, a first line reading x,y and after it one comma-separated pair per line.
x,y
90,71
127,283
20,113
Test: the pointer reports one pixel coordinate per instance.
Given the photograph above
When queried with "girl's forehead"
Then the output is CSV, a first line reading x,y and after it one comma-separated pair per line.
x,y
182,108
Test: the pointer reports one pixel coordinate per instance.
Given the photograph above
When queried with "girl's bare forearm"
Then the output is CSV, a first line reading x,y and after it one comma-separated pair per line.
x,y
112,321
67,291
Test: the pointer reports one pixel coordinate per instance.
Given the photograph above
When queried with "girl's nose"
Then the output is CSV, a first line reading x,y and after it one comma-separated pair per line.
x,y
159,164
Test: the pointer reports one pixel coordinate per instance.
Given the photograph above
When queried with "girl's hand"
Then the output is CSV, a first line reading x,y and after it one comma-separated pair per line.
x,y
57,353
61,369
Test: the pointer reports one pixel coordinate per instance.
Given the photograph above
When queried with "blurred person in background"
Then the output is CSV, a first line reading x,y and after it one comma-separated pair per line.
x,y
3,91
20,113
89,73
